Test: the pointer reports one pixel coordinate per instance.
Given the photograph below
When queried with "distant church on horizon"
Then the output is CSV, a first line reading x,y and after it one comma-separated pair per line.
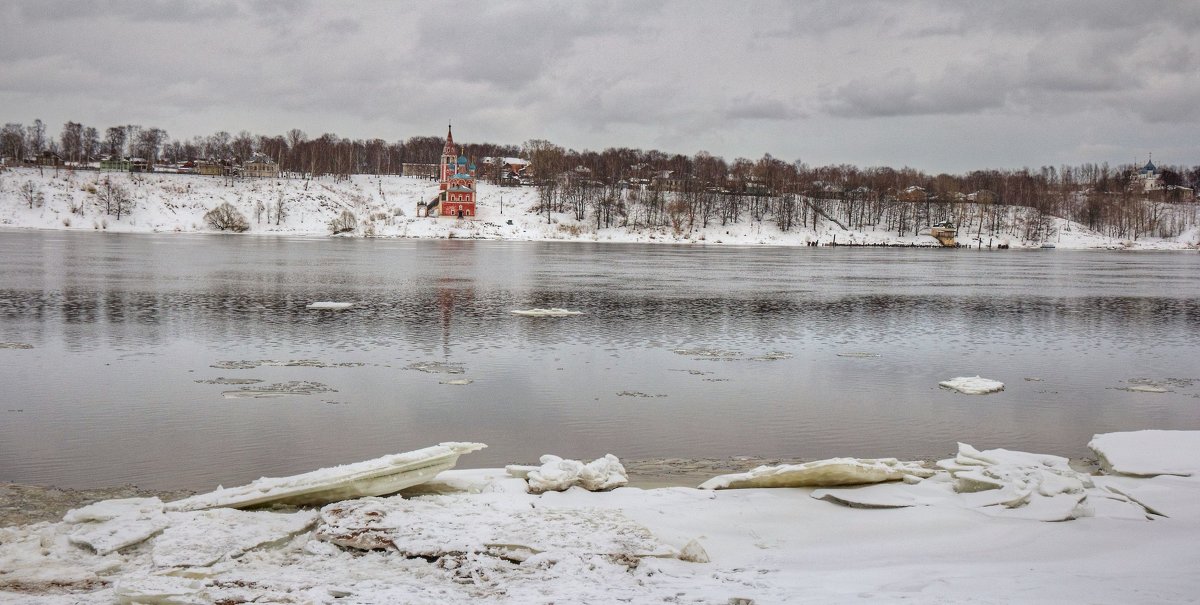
x,y
456,186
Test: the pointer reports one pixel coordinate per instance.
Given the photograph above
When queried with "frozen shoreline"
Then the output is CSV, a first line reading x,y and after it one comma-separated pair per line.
x,y
385,207
968,531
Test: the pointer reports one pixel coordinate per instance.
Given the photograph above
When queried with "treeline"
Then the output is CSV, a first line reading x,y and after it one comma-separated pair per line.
x,y
624,186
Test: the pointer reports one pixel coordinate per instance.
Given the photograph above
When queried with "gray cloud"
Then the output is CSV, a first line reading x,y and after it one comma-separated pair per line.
x,y
826,81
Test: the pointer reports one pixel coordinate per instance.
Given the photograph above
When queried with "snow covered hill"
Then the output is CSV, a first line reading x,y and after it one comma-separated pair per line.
x,y
385,206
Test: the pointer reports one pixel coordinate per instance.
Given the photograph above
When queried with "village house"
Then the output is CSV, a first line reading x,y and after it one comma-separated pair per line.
x,y
261,165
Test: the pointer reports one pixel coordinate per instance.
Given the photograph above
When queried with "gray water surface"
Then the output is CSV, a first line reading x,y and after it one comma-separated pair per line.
x,y
143,347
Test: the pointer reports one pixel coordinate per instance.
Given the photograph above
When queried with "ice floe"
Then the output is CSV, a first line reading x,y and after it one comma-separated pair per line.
x,y
250,364
15,345
820,473
329,306
437,367
384,475
281,389
551,312
457,381
972,385
545,312
558,474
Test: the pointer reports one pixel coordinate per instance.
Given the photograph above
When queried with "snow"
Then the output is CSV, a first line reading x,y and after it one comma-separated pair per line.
x,y
385,475
934,538
552,312
385,207
973,385
1148,453
330,306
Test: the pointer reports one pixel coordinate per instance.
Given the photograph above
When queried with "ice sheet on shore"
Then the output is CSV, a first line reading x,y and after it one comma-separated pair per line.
x,y
558,474
973,385
1148,453
821,473
482,544
379,476
551,312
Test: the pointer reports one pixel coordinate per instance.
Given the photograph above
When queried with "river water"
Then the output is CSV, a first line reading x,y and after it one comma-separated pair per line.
x,y
146,350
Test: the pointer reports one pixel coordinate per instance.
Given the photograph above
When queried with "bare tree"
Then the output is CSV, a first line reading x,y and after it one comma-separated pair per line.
x,y
114,198
31,195
114,141
280,209
225,217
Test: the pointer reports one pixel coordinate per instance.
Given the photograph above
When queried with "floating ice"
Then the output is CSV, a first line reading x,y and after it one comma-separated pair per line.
x,y
436,367
552,312
557,474
457,381
1146,388
820,473
282,389
15,345
223,380
703,353
1149,453
385,475
250,364
858,355
329,306
772,356
973,385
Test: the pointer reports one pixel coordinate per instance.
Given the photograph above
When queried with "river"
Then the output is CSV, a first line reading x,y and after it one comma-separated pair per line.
x,y
167,360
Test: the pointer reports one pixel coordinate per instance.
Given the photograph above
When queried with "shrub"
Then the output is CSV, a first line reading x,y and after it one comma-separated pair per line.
x,y
226,218
345,222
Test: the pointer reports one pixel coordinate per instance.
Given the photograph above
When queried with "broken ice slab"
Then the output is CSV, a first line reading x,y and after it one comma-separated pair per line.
x,y
886,495
1149,453
972,385
376,477
329,306
201,538
821,473
117,533
437,526
558,474
552,312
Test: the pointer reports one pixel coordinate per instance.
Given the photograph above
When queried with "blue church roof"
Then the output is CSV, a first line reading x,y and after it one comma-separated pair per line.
x,y
462,159
1150,167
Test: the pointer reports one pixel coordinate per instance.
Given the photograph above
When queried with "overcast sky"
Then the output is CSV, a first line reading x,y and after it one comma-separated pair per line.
x,y
941,86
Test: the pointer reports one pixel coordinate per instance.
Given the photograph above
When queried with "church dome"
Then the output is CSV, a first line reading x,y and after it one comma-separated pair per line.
x,y
1150,168
462,159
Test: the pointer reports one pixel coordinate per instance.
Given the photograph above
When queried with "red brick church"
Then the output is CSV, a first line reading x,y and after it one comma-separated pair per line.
x,y
456,189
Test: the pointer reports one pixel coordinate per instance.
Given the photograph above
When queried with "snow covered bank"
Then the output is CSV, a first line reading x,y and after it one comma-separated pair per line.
x,y
963,533
385,207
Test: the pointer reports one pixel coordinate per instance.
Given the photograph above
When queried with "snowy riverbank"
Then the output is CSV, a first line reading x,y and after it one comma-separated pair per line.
x,y
385,207
966,530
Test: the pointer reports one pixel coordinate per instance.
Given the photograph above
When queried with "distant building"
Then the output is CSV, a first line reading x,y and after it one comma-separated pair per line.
x,y
111,164
261,165
210,168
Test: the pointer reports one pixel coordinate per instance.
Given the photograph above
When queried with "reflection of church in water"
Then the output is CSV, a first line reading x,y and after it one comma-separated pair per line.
x,y
456,188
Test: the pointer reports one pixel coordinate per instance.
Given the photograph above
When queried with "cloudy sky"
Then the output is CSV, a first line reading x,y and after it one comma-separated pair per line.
x,y
937,85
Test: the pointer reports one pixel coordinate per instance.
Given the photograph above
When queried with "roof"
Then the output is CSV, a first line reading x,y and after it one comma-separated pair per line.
x,y
1150,167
